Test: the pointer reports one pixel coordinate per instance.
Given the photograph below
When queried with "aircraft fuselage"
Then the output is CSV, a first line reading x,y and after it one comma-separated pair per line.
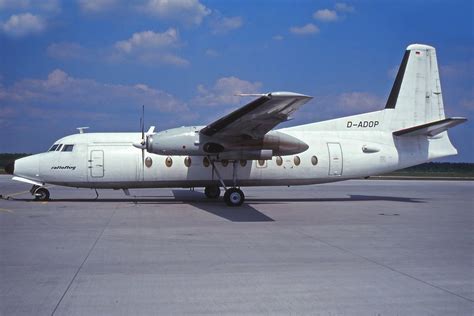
x,y
108,160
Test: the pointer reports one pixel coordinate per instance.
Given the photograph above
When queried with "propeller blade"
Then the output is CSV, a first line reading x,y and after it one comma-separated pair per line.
x,y
143,139
151,130
139,145
143,122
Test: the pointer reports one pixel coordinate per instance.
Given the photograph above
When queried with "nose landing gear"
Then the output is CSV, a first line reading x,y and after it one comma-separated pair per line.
x,y
40,193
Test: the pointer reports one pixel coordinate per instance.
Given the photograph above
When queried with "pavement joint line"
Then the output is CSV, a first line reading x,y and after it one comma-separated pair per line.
x,y
385,266
83,262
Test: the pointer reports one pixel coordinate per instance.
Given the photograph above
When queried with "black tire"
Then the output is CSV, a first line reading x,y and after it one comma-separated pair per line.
x,y
41,194
234,197
212,192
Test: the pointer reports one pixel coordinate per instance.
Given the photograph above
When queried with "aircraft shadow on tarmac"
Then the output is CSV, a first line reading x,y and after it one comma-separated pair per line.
x,y
244,213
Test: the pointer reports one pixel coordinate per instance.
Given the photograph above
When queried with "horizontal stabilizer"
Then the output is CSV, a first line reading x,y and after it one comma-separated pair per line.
x,y
431,129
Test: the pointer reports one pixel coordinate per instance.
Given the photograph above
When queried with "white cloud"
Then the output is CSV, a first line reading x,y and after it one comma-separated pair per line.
x,y
359,101
148,39
190,12
151,47
14,4
61,91
44,5
222,24
307,29
95,6
344,7
326,15
223,91
23,24
278,38
67,50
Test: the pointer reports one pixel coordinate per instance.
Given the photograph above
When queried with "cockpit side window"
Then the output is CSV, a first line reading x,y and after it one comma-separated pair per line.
x,y
53,148
59,147
68,147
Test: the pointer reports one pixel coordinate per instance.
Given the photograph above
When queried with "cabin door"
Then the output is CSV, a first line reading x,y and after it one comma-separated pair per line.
x,y
335,159
96,163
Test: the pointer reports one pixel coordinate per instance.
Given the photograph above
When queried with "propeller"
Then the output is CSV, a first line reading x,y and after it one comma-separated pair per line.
x,y
143,144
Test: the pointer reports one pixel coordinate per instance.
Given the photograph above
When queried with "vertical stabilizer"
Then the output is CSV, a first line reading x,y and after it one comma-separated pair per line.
x,y
416,96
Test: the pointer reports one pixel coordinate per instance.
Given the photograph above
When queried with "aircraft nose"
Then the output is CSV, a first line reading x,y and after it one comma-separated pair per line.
x,y
10,168
27,167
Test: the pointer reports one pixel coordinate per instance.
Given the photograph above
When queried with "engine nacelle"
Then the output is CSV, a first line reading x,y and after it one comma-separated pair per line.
x,y
176,141
187,141
283,144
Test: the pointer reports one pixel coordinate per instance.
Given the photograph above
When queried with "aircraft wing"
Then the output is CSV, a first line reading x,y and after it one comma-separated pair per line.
x,y
258,117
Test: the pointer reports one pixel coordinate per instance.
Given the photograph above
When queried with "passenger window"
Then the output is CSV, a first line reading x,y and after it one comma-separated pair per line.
x,y
59,147
53,148
68,147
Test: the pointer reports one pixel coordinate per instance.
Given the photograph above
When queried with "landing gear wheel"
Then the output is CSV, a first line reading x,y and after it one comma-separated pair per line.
x,y
212,191
234,197
41,194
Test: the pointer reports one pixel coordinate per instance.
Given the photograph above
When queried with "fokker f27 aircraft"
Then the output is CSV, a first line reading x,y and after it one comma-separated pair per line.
x,y
242,149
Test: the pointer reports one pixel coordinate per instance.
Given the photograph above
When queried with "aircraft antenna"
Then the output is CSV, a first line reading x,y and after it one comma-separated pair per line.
x,y
81,129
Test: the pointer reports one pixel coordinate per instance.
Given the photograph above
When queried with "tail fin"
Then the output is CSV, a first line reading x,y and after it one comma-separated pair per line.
x,y
416,96
415,106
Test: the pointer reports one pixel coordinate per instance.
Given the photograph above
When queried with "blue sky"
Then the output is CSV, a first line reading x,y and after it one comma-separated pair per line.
x,y
65,64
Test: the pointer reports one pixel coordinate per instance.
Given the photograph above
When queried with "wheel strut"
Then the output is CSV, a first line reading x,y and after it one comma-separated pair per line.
x,y
232,196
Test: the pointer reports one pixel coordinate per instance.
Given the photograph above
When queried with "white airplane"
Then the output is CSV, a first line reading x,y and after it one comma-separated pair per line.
x,y
241,149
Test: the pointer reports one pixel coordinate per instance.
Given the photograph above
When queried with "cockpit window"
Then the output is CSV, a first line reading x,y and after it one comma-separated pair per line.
x,y
68,147
59,148
53,148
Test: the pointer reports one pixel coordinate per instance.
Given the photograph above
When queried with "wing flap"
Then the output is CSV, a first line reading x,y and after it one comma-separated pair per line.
x,y
431,129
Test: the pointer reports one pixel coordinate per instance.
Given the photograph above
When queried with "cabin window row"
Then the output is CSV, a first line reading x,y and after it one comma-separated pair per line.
x,y
224,163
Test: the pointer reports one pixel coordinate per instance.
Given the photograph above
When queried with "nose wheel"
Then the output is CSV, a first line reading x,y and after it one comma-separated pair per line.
x,y
41,194
234,197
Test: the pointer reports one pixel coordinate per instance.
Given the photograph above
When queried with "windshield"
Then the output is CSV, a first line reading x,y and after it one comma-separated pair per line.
x,y
53,148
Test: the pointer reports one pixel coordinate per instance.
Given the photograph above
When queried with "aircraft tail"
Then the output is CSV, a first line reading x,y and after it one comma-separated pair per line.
x,y
415,105
416,98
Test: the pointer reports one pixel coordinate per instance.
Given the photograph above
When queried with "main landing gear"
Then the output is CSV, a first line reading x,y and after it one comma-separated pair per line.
x,y
40,193
212,191
232,196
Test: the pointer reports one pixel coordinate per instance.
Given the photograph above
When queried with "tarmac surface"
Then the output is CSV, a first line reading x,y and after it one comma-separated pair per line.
x,y
358,247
